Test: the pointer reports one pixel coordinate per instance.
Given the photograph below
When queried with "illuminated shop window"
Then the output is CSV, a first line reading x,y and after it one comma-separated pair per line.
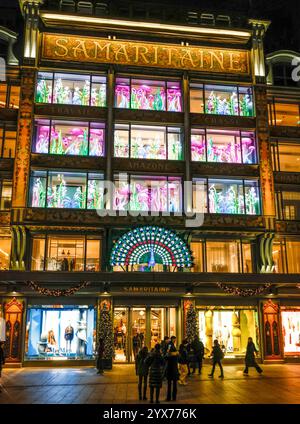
x,y
68,138
288,205
9,96
71,190
231,326
6,194
293,256
283,113
221,100
148,94
5,246
222,256
8,138
223,146
147,142
145,193
65,253
197,250
286,255
279,256
226,196
290,318
286,157
60,333
72,89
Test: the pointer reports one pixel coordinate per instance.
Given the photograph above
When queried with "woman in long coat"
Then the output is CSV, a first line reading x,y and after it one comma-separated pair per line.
x,y
155,363
250,357
142,371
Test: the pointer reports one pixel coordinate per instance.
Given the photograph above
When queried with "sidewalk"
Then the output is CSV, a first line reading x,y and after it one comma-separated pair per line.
x,y
278,384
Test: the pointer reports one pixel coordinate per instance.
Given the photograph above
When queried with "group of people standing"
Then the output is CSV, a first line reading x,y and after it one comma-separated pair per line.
x,y
165,362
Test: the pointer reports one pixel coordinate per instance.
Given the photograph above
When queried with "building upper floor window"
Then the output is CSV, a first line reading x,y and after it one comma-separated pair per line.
x,y
65,253
226,196
286,156
9,95
222,256
59,189
288,205
8,138
71,89
6,194
286,255
224,146
148,193
147,142
5,246
221,99
134,93
284,113
68,137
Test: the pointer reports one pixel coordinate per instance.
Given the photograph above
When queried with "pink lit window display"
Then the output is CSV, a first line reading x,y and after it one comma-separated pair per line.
x,y
96,140
198,145
42,134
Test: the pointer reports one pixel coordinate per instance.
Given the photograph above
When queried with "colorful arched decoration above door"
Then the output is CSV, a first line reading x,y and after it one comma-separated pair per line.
x,y
151,245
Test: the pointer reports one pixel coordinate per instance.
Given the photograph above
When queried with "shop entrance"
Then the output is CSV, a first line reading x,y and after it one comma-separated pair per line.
x,y
135,327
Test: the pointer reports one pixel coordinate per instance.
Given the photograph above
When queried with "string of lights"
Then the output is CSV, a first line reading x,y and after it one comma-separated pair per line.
x,y
237,291
56,292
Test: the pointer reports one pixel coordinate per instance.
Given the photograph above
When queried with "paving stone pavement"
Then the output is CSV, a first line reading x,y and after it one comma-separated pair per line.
x,y
277,384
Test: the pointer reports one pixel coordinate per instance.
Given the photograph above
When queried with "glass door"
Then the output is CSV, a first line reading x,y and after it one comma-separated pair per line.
x,y
138,330
121,334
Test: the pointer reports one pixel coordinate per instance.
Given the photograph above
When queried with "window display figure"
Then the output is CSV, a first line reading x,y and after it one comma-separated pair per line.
x,y
82,338
69,335
52,345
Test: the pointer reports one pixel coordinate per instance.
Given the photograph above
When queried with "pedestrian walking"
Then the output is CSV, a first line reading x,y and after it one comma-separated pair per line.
x,y
155,362
183,363
198,348
2,359
100,353
217,356
142,372
250,357
172,373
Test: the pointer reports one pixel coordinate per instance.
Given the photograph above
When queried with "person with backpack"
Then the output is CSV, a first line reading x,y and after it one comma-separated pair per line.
x,y
217,356
183,362
155,362
142,372
198,348
250,357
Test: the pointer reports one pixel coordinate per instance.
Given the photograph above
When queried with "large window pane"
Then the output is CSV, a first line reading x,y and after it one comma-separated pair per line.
x,y
197,252
92,255
291,205
121,141
38,254
3,93
249,155
71,89
278,254
121,195
5,245
252,197
6,193
222,256
246,101
65,254
122,93
96,139
44,87
247,257
226,196
41,136
293,256
9,147
68,138
223,146
221,100
287,114
95,192
175,150
289,157
196,98
98,93
198,145
148,142
200,195
38,189
173,97
148,94
14,97
66,190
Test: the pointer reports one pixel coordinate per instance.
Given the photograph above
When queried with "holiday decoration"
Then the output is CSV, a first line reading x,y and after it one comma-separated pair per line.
x,y
191,324
56,292
151,245
106,332
237,291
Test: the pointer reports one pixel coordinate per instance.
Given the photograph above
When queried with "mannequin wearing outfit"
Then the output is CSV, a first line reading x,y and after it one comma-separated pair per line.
x,y
69,335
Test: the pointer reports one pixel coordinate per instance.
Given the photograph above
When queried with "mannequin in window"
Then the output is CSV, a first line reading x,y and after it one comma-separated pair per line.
x,y
69,335
52,345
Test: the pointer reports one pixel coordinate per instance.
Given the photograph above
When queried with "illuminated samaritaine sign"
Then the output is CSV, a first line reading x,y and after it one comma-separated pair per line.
x,y
97,50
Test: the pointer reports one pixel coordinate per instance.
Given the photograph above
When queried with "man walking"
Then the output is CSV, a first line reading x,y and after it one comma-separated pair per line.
x,y
198,348
217,356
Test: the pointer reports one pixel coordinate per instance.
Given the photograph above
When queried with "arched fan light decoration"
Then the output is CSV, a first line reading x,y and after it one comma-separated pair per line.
x,y
151,245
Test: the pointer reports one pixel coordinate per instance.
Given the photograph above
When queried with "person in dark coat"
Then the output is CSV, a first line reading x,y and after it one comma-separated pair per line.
x,y
164,344
142,372
100,353
198,348
250,357
217,356
172,373
183,362
155,363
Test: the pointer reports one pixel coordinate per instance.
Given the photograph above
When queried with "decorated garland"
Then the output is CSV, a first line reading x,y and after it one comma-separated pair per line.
x,y
237,291
56,292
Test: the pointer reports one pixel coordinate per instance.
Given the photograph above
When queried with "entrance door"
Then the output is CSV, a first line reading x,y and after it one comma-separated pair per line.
x,y
138,330
121,334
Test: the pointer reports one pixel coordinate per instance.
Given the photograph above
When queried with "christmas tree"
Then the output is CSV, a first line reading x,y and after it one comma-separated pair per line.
x,y
191,324
106,333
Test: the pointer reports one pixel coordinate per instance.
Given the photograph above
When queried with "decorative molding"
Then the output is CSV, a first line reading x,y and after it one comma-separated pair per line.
x,y
287,177
208,168
148,165
288,227
18,247
285,132
207,120
4,218
271,307
64,161
149,116
70,111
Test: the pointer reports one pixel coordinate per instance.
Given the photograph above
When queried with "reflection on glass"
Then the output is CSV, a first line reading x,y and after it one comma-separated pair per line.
x,y
120,334
62,333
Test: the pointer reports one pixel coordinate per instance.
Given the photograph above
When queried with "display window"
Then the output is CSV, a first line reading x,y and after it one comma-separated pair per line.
x,y
286,256
60,333
145,193
68,138
72,89
286,157
290,319
148,94
5,246
288,205
282,113
231,326
8,138
74,190
223,146
147,142
221,99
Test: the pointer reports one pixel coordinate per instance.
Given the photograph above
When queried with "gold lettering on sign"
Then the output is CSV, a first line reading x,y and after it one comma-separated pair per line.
x,y
97,50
